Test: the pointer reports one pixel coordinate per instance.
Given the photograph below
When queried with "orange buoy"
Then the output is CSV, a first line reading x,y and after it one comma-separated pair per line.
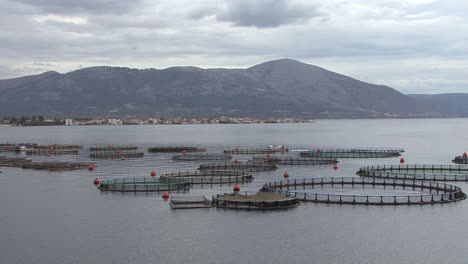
x,y
335,167
91,167
236,188
96,181
153,173
465,155
123,158
236,161
402,160
165,195
184,152
286,174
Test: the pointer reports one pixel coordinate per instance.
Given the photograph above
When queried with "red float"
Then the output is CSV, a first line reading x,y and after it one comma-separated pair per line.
x,y
165,195
465,155
236,161
317,150
96,181
91,167
402,160
153,173
236,188
286,174
335,167
184,152
123,158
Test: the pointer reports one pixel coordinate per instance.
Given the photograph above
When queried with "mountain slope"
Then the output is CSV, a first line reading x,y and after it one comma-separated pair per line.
x,y
272,89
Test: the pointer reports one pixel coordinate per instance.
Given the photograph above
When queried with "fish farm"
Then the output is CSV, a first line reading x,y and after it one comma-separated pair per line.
x,y
296,161
57,146
418,172
99,148
255,201
175,149
243,165
247,151
340,191
142,185
118,154
201,156
210,177
24,163
45,151
353,153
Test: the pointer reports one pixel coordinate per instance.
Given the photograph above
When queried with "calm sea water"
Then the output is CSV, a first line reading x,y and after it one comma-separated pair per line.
x,y
60,217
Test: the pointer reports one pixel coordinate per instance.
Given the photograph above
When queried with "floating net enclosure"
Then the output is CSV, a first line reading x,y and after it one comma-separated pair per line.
x,y
368,191
118,154
24,163
112,147
210,177
267,150
418,172
45,151
57,147
175,149
201,156
255,201
351,153
142,185
243,166
296,161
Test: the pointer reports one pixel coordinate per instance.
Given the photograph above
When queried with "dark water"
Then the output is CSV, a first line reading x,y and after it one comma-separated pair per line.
x,y
59,217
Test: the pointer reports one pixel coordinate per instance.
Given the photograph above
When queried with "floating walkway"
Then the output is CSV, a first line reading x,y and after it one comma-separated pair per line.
x,y
417,172
142,185
243,166
210,177
189,202
353,153
296,161
255,201
175,149
201,157
247,151
112,148
313,190
118,154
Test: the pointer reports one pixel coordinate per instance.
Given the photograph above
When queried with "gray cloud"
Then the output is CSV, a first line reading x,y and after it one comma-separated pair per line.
x,y
397,42
266,13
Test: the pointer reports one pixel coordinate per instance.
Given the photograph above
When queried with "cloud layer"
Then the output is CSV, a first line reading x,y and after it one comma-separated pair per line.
x,y
415,46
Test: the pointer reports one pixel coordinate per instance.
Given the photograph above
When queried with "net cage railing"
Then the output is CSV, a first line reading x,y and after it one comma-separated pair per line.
x,y
175,149
348,154
357,150
210,177
296,161
418,172
245,166
112,147
266,150
251,202
116,154
431,192
201,156
143,185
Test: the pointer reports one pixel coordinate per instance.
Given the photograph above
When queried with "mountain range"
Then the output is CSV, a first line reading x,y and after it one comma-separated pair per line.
x,y
279,88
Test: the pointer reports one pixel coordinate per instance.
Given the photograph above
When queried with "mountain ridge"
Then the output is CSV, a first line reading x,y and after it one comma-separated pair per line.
x,y
279,88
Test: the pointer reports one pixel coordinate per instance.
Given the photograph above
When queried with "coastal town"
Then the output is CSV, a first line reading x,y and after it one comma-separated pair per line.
x,y
41,121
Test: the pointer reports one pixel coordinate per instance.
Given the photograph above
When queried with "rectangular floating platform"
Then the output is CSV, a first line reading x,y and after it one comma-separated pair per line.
x,y
116,154
297,161
111,147
201,156
189,202
245,166
246,151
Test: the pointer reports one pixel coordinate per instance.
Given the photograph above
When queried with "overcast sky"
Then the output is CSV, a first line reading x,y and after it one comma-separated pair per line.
x,y
415,46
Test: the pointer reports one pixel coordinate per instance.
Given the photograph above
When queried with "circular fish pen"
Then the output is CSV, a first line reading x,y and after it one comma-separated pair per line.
x,y
243,166
368,191
255,201
417,172
460,160
58,146
112,147
353,153
210,177
175,149
201,156
142,185
296,161
247,151
116,154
